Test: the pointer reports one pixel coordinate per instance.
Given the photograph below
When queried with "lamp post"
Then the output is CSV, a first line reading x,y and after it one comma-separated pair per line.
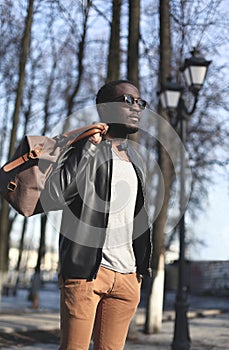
x,y
195,70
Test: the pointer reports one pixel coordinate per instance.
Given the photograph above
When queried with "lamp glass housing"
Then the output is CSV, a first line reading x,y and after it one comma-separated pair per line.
x,y
170,99
195,76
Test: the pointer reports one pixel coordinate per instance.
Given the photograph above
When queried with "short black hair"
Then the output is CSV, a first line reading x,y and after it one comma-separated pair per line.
x,y
108,91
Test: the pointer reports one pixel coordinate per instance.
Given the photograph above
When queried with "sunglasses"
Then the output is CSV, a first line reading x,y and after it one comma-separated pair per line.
x,y
130,100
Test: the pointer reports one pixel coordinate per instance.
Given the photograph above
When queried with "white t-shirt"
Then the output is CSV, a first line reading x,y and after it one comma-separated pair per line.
x,y
118,254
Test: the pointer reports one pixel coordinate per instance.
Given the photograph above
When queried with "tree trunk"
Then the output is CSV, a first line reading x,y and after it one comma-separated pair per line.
x,y
4,228
113,67
155,302
41,250
36,279
4,223
21,247
133,51
133,76
133,42
22,64
155,298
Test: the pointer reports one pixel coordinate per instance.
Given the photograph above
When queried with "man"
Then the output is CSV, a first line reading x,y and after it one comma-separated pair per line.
x,y
105,237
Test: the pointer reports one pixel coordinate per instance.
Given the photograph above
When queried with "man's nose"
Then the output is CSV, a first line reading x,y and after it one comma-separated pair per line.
x,y
136,107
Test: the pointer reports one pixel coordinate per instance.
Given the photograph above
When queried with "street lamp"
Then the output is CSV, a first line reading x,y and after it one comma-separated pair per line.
x,y
195,70
170,95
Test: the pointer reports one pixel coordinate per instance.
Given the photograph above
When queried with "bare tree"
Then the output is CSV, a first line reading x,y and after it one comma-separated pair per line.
x,y
156,291
179,18
133,76
4,215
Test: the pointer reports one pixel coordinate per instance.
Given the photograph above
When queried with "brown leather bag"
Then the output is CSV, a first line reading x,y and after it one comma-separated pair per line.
x,y
23,177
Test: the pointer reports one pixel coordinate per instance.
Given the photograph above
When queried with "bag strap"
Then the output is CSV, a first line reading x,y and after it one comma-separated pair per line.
x,y
98,128
101,126
33,154
85,131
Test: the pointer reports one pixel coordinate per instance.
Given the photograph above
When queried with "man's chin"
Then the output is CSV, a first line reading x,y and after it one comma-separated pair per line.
x,y
123,128
132,129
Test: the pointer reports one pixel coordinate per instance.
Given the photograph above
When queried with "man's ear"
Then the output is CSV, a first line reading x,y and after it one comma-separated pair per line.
x,y
102,110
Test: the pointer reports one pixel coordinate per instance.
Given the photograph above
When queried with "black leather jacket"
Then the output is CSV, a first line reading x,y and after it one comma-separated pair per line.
x,y
82,180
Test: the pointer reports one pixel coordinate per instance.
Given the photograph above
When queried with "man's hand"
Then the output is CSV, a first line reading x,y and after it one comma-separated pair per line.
x,y
97,138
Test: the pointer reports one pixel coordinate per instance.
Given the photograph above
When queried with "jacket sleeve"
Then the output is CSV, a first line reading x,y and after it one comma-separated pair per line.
x,y
61,185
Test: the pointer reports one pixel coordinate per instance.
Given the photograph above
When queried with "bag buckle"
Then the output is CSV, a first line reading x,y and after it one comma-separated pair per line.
x,y
33,154
12,186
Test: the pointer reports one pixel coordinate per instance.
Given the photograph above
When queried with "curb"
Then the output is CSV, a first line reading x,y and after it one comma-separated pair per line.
x,y
45,320
170,315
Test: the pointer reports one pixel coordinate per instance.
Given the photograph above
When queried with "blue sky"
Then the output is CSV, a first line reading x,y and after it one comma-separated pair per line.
x,y
213,225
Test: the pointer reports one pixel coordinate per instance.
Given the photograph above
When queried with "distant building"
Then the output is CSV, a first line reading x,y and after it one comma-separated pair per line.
x,y
211,277
202,277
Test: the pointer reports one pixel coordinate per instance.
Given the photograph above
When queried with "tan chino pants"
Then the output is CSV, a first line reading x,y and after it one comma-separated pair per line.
x,y
106,304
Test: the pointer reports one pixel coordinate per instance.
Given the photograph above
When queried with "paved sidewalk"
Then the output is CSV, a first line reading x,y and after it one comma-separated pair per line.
x,y
208,322
208,333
